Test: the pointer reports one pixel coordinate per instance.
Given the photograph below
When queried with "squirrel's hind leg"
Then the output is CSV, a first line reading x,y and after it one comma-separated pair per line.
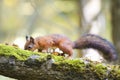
x,y
67,49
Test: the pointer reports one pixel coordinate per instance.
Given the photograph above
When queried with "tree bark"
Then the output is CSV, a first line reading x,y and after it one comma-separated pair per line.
x,y
115,12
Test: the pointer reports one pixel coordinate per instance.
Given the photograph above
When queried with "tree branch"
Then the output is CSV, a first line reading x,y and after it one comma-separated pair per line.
x,y
26,65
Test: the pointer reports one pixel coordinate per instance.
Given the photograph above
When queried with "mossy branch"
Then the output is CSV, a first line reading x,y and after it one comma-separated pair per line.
x,y
26,65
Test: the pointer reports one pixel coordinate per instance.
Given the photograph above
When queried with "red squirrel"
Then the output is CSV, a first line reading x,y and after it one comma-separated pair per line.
x,y
66,45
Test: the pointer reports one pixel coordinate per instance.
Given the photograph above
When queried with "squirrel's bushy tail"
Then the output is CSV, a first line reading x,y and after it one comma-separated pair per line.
x,y
97,42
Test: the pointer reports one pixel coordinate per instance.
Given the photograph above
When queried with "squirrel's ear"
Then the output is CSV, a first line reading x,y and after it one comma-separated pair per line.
x,y
31,39
27,38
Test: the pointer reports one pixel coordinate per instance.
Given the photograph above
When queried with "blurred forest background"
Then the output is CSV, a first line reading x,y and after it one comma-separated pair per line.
x,y
73,18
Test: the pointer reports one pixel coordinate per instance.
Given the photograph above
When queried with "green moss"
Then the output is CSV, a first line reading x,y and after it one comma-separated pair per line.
x,y
24,54
13,51
58,58
100,70
114,71
71,66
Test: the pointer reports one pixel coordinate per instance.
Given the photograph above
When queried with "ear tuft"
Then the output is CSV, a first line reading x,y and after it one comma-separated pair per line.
x,y
27,38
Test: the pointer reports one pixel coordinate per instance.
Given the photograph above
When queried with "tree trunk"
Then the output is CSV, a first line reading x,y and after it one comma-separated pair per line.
x,y
115,11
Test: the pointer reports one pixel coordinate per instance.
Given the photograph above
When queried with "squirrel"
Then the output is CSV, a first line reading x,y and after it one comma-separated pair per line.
x,y
66,45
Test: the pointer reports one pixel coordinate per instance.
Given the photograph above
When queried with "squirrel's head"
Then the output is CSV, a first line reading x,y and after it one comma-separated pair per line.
x,y
30,42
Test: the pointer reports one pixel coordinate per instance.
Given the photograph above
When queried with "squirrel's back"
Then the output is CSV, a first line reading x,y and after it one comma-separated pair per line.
x,y
53,40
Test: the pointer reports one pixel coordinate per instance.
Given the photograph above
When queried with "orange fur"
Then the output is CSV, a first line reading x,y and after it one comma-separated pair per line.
x,y
66,45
